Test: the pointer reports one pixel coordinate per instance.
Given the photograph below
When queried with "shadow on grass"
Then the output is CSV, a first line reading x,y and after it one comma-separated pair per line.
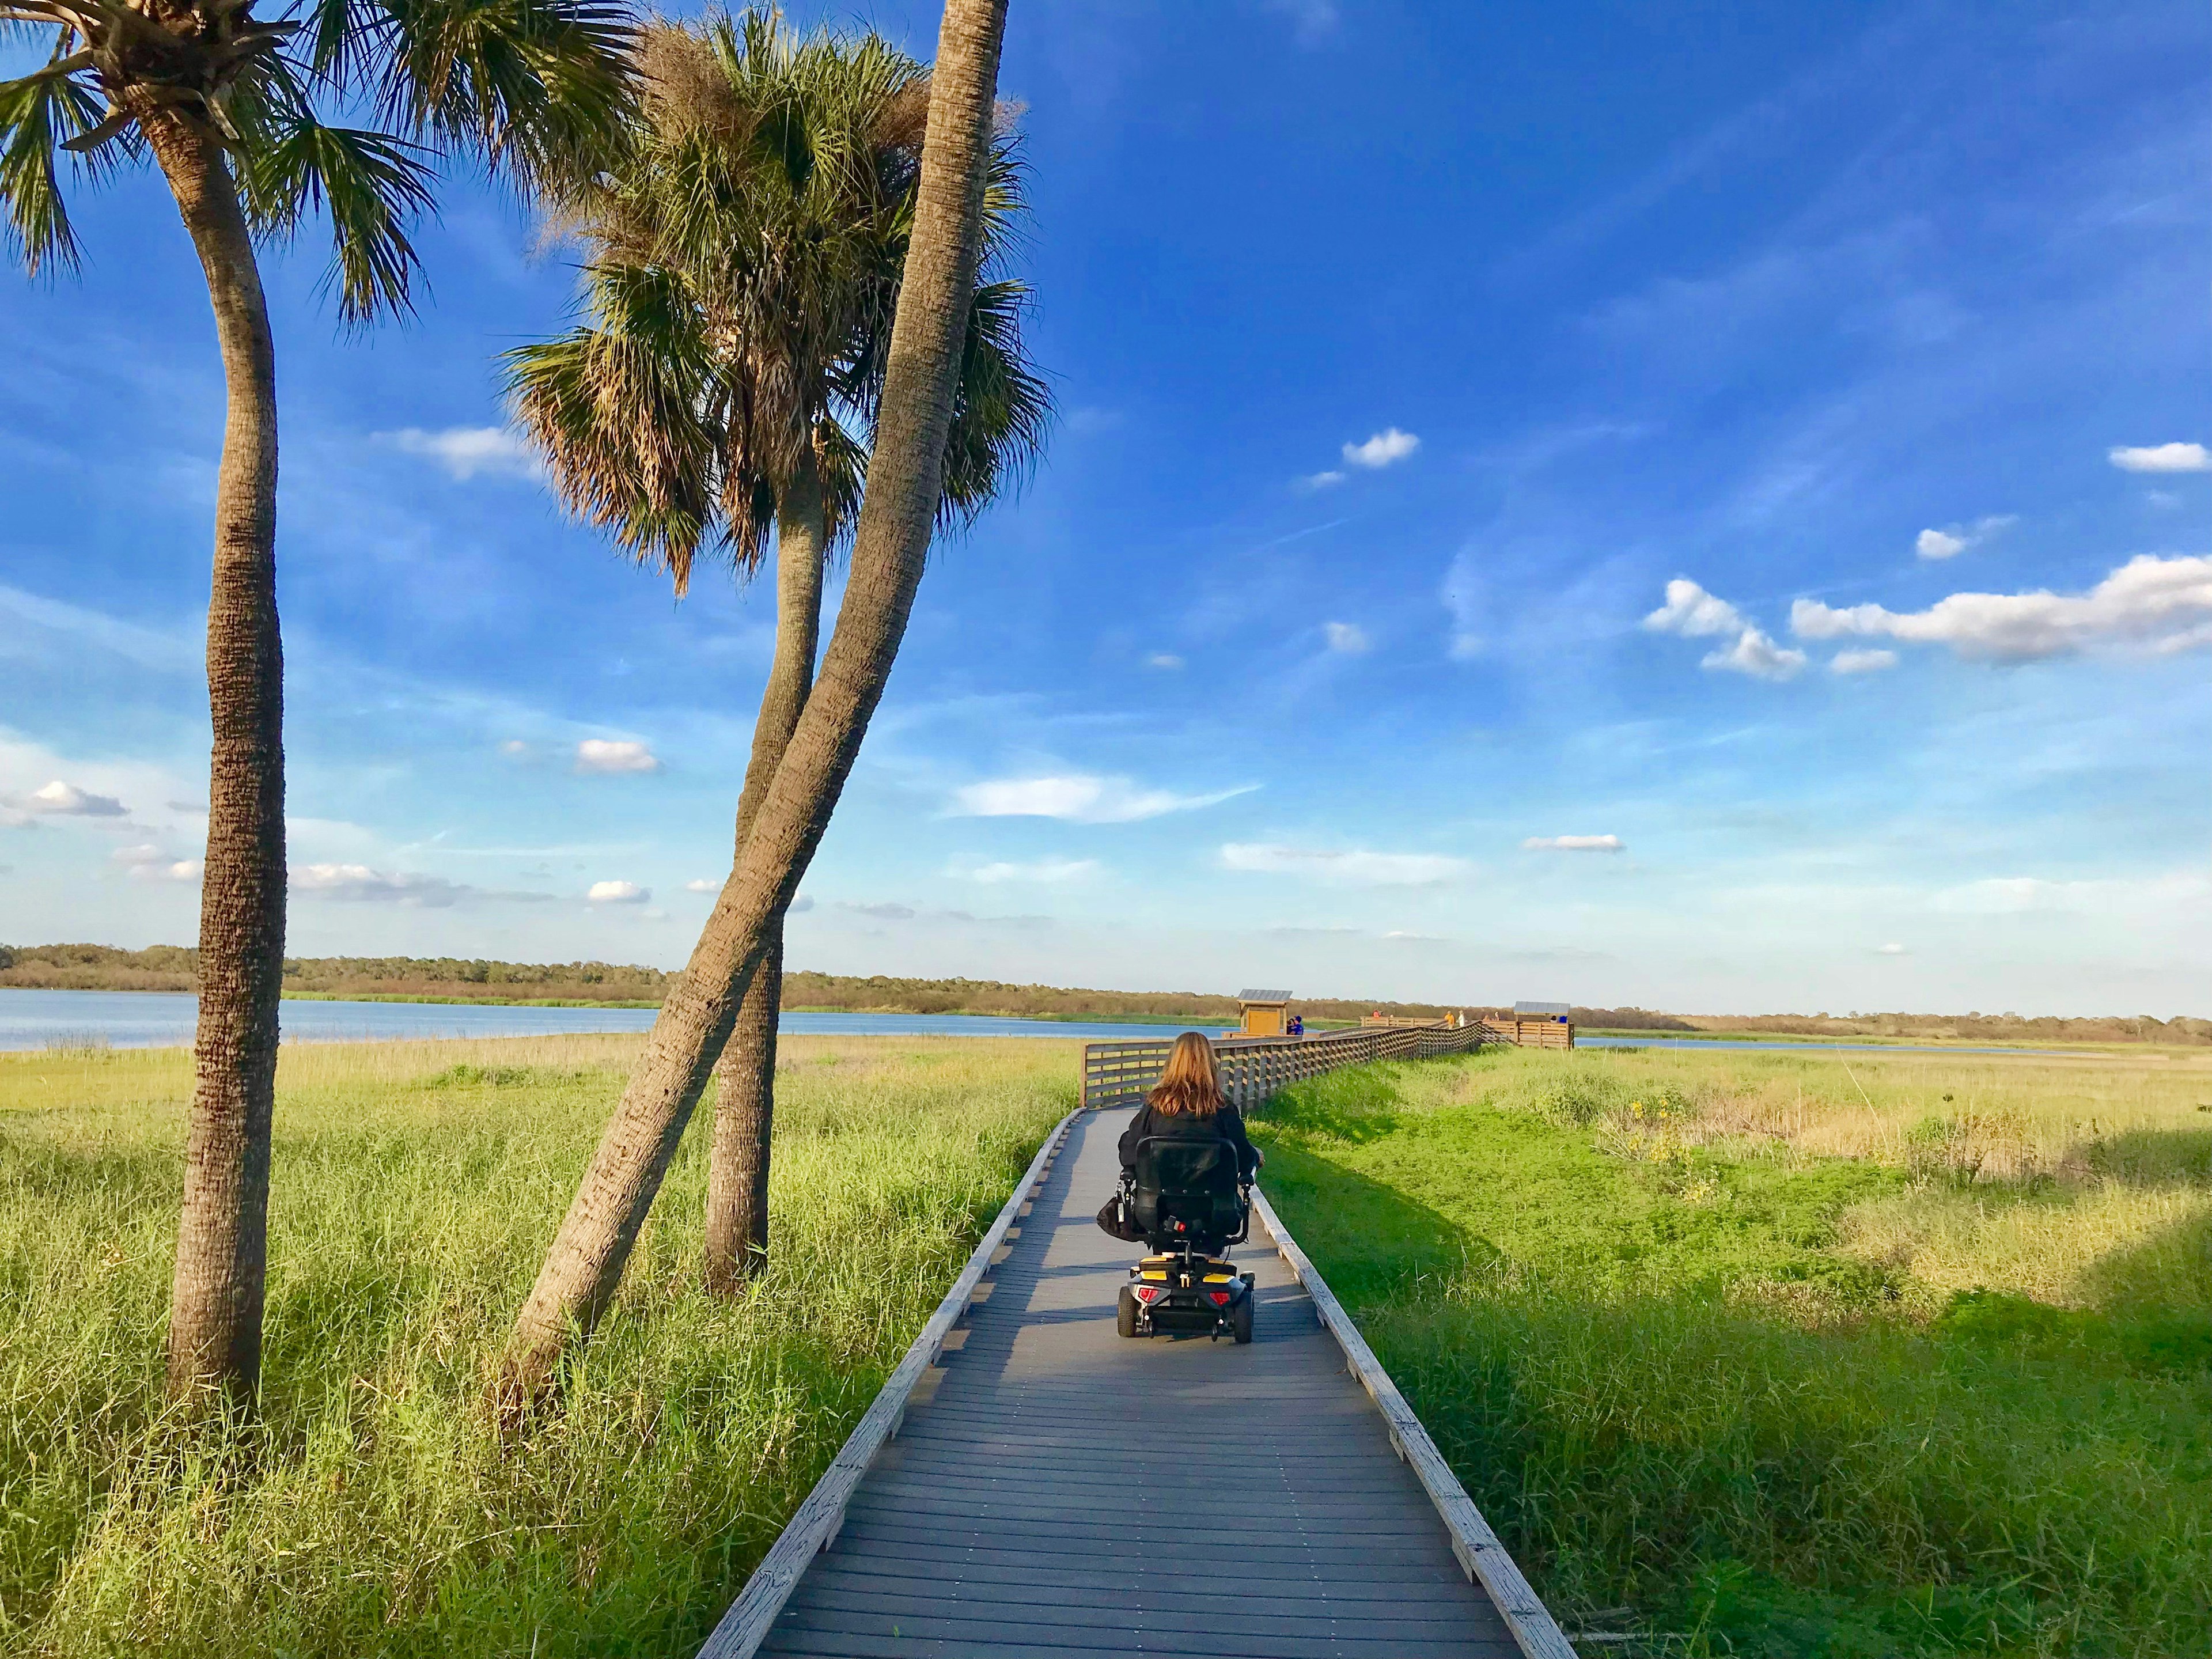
x,y
1374,1243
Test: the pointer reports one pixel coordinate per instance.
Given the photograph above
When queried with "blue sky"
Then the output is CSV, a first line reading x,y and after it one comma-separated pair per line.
x,y
1702,506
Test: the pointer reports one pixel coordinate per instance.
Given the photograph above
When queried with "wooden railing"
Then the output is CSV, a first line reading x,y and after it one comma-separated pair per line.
x,y
1253,1069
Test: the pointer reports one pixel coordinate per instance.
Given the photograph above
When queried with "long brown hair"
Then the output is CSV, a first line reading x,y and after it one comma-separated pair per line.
x,y
1192,1081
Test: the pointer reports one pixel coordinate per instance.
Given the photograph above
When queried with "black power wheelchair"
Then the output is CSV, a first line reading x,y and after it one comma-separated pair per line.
x,y
1189,1200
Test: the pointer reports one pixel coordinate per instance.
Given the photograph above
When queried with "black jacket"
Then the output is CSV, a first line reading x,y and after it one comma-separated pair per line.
x,y
1226,1124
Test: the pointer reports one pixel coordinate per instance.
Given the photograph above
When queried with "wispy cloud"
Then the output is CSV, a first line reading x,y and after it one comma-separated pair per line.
x,y
465,452
1050,870
2154,604
360,884
2162,457
1350,867
1164,659
1574,844
1078,799
1861,662
1949,542
1326,480
610,757
1385,448
1314,18
66,800
1349,639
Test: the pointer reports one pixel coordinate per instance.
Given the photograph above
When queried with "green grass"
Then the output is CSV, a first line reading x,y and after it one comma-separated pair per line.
x,y
417,1186
1633,1296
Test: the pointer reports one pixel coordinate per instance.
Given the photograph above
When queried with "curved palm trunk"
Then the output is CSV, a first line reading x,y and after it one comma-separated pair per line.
x,y
745,1091
905,474
222,1238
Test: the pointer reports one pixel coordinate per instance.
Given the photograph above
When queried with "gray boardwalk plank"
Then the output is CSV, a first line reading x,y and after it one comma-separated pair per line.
x,y
1067,1494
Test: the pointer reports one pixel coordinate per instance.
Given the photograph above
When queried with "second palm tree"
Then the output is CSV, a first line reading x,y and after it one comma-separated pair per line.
x,y
745,262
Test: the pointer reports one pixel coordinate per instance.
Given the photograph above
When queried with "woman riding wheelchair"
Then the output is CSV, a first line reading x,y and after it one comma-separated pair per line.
x,y
1187,1166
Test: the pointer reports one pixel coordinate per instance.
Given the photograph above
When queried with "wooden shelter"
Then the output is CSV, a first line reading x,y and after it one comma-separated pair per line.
x,y
1263,1014
1541,1026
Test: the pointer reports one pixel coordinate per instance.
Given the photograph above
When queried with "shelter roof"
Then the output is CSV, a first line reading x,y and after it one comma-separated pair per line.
x,y
1542,1008
1263,996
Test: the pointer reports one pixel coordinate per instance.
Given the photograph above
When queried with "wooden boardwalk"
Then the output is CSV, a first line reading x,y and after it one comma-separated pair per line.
x,y
1059,1491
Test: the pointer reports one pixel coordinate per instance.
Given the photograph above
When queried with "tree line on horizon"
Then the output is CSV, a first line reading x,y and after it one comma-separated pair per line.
x,y
172,967
791,332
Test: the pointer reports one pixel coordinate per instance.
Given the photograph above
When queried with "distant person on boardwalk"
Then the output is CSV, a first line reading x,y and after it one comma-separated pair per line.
x,y
1186,1104
1297,1027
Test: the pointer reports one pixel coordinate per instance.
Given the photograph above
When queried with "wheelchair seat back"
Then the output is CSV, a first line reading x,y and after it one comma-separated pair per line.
x,y
1187,1189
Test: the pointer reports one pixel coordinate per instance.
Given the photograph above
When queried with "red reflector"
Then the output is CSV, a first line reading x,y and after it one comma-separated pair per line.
x,y
1220,1297
1148,1293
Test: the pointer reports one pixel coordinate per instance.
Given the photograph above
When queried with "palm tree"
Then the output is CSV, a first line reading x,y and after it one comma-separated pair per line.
x,y
226,106
746,262
920,377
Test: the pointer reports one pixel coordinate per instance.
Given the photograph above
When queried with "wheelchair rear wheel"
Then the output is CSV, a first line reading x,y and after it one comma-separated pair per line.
x,y
1125,1313
1240,1319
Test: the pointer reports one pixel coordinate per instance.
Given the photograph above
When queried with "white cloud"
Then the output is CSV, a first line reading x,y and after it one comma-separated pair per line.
x,y
1041,870
514,746
1385,447
1756,654
2160,606
702,886
617,892
608,756
1861,662
1693,613
1355,866
2162,457
1349,638
360,884
1077,798
146,863
466,451
1949,544
59,799
1321,480
1892,950
1573,844
1164,659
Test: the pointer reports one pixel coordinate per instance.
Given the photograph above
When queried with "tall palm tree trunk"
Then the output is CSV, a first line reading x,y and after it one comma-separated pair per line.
x,y
745,1090
904,486
222,1238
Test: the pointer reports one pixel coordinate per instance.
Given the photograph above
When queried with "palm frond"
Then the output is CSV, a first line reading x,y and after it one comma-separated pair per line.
x,y
624,415
370,184
38,113
1001,408
542,89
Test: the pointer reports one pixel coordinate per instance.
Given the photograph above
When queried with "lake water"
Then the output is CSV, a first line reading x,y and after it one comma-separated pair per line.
x,y
158,1019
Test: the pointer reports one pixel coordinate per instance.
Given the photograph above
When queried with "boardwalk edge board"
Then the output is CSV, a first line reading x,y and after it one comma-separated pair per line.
x,y
1480,1554
816,1521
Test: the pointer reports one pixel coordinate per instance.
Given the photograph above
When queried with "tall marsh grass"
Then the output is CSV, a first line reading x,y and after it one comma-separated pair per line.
x,y
373,1511
1807,1356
